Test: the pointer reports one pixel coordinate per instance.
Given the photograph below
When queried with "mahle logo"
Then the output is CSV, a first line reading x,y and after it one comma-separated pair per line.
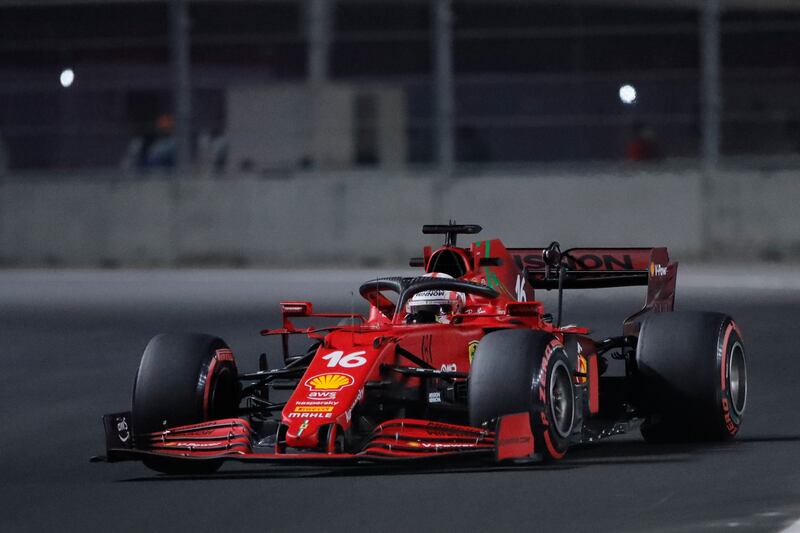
x,y
329,382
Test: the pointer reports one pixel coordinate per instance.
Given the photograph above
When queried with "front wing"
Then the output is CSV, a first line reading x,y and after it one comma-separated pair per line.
x,y
233,439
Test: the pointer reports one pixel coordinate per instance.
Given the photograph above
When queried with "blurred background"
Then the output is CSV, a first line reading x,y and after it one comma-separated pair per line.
x,y
157,133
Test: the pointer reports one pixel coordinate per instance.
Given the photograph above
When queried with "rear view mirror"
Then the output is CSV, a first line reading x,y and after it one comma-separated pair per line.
x,y
296,309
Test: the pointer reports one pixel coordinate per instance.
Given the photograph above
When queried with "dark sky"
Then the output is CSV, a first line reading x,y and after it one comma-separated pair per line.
x,y
489,38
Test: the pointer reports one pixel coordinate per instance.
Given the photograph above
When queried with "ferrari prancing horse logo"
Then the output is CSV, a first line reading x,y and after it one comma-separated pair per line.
x,y
471,347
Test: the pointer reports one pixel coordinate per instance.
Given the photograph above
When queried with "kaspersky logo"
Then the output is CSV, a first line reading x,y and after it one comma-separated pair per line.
x,y
329,382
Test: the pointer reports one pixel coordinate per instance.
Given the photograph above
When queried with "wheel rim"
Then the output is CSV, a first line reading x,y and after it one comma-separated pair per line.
x,y
561,399
737,378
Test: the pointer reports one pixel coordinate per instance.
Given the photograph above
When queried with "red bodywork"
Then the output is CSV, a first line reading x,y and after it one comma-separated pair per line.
x,y
351,358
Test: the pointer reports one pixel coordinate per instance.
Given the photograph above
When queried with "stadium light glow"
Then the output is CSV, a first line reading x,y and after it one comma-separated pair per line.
x,y
67,77
627,93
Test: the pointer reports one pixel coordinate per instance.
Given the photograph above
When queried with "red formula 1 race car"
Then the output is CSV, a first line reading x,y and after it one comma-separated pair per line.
x,y
460,361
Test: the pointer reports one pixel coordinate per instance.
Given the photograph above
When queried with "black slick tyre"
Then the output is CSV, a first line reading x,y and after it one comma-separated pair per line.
x,y
516,371
183,379
692,377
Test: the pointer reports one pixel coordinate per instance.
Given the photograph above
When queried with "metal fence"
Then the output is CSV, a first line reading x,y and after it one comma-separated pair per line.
x,y
487,83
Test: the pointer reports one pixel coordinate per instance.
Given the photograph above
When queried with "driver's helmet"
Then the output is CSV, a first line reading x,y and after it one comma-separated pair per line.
x,y
436,305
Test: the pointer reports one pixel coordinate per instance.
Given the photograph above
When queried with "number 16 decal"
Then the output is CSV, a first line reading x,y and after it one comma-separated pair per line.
x,y
351,360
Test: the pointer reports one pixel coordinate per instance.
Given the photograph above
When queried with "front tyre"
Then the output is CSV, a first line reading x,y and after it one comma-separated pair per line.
x,y
184,379
692,373
517,371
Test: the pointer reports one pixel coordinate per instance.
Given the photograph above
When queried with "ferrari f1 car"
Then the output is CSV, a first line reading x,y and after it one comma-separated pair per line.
x,y
459,361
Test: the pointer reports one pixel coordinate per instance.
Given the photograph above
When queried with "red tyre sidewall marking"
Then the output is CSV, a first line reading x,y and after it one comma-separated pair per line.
x,y
724,364
544,396
223,354
555,454
730,425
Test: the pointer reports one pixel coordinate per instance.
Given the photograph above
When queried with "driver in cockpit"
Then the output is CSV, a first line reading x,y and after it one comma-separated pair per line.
x,y
436,305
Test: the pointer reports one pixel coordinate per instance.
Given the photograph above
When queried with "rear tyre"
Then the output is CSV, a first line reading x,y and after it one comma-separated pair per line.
x,y
692,375
184,379
516,371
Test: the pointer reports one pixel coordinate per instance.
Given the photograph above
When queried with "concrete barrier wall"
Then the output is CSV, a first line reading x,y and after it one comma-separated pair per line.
x,y
756,213
341,219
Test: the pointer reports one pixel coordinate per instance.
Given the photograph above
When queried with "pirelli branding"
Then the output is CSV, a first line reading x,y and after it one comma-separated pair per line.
x,y
313,409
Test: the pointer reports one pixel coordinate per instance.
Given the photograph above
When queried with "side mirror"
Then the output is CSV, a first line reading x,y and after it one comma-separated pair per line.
x,y
296,309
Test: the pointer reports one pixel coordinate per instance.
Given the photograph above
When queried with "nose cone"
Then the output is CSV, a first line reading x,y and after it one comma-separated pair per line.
x,y
327,393
320,399
332,385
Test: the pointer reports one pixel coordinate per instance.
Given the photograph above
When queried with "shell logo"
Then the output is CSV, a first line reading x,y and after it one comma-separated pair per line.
x,y
329,382
652,269
582,368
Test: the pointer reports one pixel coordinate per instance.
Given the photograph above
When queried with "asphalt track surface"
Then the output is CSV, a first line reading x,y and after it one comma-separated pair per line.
x,y
71,343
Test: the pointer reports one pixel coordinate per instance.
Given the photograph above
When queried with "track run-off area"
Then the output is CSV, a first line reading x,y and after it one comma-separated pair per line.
x,y
71,343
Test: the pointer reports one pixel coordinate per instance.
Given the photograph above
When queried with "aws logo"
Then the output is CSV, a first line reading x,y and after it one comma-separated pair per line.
x,y
329,382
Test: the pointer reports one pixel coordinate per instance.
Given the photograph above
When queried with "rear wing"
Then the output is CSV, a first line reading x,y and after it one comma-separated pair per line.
x,y
592,268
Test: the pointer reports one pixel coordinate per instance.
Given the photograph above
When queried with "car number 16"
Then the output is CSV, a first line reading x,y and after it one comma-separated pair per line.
x,y
351,360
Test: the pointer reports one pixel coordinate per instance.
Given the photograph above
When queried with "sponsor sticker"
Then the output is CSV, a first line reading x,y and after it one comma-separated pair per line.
x,y
310,415
123,433
657,270
434,397
360,396
513,440
333,382
321,395
438,445
224,354
316,402
581,366
448,367
313,409
212,444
